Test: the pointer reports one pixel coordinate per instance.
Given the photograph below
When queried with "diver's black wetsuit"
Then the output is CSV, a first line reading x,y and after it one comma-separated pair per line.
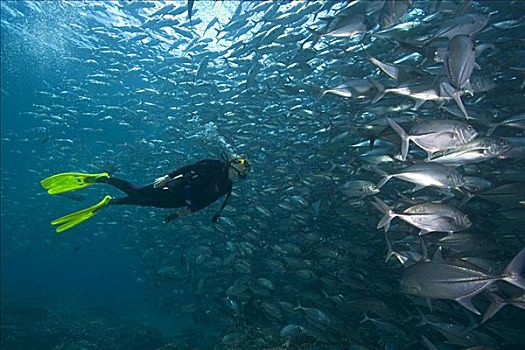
x,y
202,184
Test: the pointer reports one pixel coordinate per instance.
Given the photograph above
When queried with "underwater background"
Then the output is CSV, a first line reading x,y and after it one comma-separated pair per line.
x,y
296,261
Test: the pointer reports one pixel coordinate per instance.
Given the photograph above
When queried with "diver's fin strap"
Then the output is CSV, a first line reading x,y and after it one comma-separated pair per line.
x,y
68,221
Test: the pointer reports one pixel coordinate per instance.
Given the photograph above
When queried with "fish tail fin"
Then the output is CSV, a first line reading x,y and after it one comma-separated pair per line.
x,y
380,89
391,252
385,209
456,96
365,318
404,137
496,304
385,176
513,273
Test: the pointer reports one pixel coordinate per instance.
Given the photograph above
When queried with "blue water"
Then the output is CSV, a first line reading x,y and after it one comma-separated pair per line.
x,y
91,277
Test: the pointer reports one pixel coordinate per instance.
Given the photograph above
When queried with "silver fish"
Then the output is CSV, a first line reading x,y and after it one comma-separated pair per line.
x,y
392,11
460,61
395,71
358,188
314,314
422,90
475,151
466,242
419,89
356,88
476,184
271,310
517,121
457,279
190,8
234,339
425,174
292,331
346,26
468,24
507,194
428,217
434,135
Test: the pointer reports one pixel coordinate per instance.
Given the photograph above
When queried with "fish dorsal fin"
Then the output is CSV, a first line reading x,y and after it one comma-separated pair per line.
x,y
438,255
466,302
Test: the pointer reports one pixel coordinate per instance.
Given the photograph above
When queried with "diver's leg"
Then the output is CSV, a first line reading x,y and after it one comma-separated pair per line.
x,y
146,195
123,201
126,187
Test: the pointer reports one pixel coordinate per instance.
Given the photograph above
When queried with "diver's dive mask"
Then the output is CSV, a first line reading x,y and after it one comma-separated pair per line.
x,y
241,166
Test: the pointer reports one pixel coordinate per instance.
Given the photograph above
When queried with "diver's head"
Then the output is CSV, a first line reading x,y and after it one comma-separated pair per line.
x,y
238,167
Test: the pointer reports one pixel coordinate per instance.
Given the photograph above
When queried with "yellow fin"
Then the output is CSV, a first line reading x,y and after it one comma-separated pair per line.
x,y
73,219
65,182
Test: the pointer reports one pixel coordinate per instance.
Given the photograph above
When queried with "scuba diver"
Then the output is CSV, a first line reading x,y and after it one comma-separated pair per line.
x,y
191,188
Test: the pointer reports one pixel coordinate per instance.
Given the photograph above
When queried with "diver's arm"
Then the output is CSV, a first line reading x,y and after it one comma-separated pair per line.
x,y
163,181
218,213
206,167
185,173
181,171
202,166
